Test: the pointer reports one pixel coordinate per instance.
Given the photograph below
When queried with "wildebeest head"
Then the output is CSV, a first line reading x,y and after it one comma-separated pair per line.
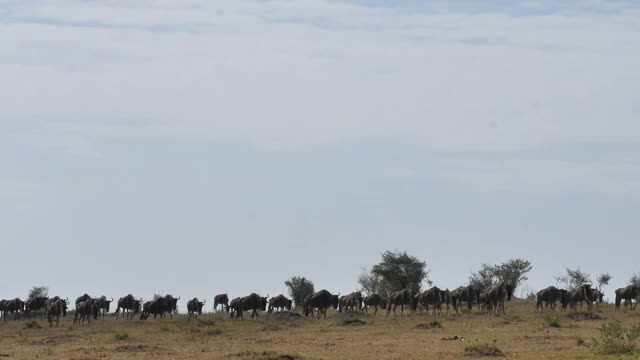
x,y
263,302
510,289
335,300
172,302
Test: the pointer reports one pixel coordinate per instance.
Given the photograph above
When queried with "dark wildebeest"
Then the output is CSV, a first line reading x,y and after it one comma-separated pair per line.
x,y
484,304
130,304
351,302
252,302
321,300
34,305
376,301
83,297
3,307
172,302
280,303
628,294
85,310
56,309
448,300
547,297
401,298
194,307
580,294
222,300
15,306
103,304
497,296
564,298
157,306
431,297
233,306
467,294
597,297
50,301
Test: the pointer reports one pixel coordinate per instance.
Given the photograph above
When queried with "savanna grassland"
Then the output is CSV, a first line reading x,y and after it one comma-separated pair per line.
x,y
521,334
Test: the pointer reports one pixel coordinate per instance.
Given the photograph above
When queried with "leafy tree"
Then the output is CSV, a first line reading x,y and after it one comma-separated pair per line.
x,y
299,288
603,279
399,270
513,271
485,277
370,283
634,280
574,278
38,291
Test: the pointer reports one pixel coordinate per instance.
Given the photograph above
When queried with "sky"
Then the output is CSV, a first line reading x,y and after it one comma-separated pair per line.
x,y
196,147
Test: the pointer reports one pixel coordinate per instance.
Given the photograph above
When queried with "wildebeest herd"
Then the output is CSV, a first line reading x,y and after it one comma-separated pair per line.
x,y
434,300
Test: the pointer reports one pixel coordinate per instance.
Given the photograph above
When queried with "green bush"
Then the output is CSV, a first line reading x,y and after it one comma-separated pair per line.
x,y
120,335
615,339
553,320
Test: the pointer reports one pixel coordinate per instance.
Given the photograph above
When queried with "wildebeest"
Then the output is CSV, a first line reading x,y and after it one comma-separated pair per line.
x,y
402,298
233,307
172,304
628,294
15,306
194,307
56,309
85,310
103,304
35,304
466,294
321,300
580,294
157,306
130,304
280,303
83,297
351,302
252,302
376,301
3,307
449,300
497,295
431,297
50,301
222,300
547,297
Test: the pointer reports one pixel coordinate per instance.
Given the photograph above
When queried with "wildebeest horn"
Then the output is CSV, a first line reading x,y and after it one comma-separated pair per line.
x,y
111,300
205,301
178,298
267,295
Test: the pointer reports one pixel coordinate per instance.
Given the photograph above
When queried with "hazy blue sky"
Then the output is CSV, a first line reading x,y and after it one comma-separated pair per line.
x,y
197,147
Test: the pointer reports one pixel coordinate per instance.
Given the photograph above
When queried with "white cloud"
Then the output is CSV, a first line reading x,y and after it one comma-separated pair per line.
x,y
315,71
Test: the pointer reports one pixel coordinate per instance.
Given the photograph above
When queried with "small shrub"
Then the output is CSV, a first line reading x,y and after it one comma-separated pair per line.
x,y
353,322
213,332
48,350
32,324
430,325
580,341
481,350
615,339
553,320
120,335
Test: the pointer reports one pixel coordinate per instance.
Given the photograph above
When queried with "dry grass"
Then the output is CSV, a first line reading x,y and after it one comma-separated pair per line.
x,y
522,334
